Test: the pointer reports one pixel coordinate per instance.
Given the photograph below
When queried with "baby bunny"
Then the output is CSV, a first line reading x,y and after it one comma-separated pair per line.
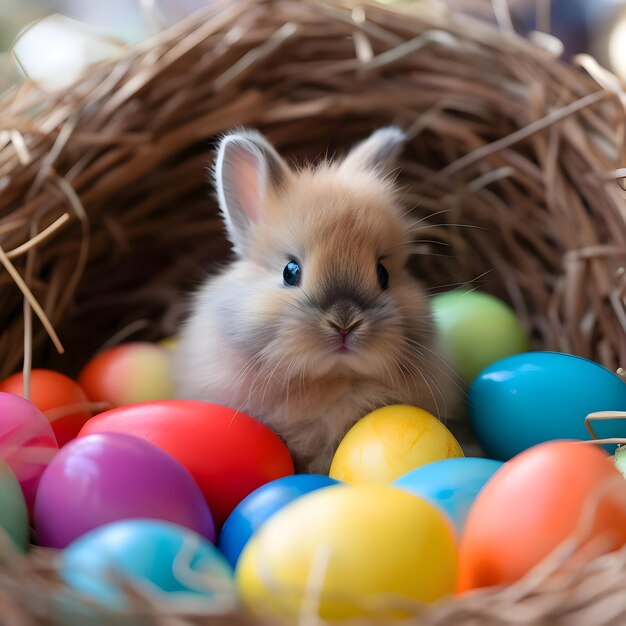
x,y
317,321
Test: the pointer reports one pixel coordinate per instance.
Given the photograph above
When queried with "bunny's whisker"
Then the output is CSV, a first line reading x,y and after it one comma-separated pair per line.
x,y
440,364
460,285
426,217
444,225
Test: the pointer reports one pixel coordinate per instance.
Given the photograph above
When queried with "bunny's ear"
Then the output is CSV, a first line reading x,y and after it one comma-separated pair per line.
x,y
247,169
378,152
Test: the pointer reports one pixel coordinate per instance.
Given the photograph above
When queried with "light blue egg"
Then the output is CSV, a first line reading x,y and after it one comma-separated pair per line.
x,y
450,484
160,558
534,397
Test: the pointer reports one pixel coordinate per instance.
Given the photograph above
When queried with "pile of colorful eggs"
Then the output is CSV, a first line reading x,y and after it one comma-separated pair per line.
x,y
198,505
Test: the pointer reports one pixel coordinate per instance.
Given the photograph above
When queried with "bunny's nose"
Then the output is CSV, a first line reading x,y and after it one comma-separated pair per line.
x,y
345,329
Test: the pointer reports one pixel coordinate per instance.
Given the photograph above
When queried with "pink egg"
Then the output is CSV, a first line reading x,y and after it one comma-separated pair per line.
x,y
27,442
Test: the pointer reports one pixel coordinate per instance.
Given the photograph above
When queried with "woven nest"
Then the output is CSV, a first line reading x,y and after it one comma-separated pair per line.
x,y
513,166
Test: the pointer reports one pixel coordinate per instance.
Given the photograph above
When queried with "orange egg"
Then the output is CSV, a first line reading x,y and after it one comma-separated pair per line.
x,y
61,399
128,374
534,503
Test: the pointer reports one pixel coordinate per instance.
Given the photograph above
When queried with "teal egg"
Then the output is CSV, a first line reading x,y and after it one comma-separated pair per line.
x,y
529,398
173,564
450,484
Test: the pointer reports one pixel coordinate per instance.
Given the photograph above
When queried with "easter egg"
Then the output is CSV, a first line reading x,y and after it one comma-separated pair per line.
x,y
174,565
13,512
389,442
127,374
358,544
27,442
254,510
534,503
228,453
107,477
450,484
476,330
61,399
534,397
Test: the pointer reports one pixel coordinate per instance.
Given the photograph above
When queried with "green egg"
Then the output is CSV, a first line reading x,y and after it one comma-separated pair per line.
x,y
477,329
13,513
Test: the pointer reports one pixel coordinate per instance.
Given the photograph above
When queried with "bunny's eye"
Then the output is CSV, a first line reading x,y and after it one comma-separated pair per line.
x,y
291,274
383,276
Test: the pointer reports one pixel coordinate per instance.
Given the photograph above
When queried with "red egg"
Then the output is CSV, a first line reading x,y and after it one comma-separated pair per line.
x,y
128,374
534,503
60,398
227,452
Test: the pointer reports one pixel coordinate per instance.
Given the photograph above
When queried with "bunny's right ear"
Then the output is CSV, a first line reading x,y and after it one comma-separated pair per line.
x,y
247,169
378,152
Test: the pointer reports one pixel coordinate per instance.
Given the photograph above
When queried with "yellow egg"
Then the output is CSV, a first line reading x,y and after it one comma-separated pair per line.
x,y
390,442
349,551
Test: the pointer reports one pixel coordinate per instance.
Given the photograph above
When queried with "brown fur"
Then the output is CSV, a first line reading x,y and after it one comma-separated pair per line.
x,y
270,350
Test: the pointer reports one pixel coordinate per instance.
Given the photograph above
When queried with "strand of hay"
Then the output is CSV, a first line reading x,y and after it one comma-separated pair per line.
x,y
514,163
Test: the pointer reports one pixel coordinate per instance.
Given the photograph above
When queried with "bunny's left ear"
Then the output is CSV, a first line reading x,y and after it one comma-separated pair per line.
x,y
247,170
378,152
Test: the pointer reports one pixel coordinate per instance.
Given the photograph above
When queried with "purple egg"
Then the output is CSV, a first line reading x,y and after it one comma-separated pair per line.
x,y
107,477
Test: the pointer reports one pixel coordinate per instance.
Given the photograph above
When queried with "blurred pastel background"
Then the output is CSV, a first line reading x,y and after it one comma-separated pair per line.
x,y
597,27
130,20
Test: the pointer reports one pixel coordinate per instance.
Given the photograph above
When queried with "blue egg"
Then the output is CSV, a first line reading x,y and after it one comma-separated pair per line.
x,y
260,505
534,397
160,558
450,484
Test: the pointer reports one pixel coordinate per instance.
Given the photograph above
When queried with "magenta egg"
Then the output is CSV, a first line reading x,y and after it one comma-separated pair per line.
x,y
106,477
27,442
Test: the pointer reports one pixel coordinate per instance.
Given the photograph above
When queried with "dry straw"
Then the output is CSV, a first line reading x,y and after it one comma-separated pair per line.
x,y
514,166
